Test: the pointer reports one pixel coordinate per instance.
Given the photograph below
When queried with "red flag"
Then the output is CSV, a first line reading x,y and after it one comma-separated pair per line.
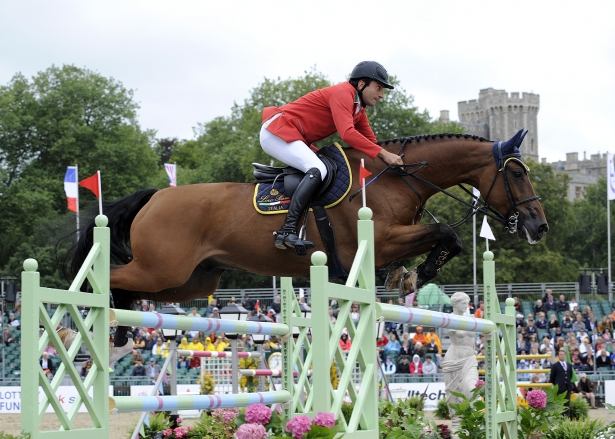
x,y
256,306
363,173
91,183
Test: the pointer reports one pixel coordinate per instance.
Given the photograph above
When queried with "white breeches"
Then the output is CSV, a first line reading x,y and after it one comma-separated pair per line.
x,y
296,154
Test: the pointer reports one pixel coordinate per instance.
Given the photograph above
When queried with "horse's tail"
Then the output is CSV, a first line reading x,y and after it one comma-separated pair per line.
x,y
121,213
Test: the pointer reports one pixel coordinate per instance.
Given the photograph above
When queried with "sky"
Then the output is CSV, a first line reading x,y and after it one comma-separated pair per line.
x,y
190,61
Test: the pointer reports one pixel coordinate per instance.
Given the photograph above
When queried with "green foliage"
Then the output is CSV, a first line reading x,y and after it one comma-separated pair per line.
x,y
579,409
347,411
402,419
211,425
442,410
23,435
568,429
64,116
471,412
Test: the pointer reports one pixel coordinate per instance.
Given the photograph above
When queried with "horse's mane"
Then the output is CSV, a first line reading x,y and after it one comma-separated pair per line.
x,y
413,139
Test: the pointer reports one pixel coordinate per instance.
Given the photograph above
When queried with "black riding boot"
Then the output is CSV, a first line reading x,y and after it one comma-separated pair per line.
x,y
287,236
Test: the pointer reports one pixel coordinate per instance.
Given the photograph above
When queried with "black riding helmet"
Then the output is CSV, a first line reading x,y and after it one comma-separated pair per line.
x,y
371,70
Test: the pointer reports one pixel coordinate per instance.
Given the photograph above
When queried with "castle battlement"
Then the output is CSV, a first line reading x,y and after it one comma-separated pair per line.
x,y
498,115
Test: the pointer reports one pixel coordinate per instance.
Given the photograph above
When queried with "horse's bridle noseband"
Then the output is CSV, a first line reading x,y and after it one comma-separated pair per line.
x,y
512,221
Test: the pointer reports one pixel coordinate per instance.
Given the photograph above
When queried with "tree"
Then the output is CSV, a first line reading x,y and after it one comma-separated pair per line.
x,y
65,116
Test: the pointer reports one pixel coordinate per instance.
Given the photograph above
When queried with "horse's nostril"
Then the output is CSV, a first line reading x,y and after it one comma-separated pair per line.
x,y
543,229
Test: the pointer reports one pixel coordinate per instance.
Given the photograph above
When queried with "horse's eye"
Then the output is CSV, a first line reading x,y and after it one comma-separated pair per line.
x,y
518,174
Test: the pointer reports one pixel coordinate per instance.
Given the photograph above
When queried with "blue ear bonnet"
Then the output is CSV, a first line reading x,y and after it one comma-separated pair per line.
x,y
509,150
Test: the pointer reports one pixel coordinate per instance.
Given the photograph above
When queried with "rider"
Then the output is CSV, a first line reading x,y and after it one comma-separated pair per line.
x,y
287,131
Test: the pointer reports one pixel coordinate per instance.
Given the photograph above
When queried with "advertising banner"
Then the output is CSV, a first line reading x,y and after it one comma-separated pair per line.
x,y
10,398
435,392
609,392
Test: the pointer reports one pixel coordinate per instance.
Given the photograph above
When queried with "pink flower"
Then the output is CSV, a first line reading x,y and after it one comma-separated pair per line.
x,y
537,398
251,431
299,426
325,420
168,432
227,416
258,413
479,383
179,420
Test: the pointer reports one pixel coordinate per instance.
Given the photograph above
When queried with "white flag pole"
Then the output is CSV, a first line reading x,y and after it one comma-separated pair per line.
x,y
99,194
77,212
363,184
476,193
610,195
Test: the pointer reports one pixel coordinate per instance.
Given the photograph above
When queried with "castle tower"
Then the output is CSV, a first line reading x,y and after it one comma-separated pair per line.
x,y
498,116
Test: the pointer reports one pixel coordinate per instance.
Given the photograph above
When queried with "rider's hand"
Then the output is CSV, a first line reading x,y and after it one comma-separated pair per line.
x,y
389,158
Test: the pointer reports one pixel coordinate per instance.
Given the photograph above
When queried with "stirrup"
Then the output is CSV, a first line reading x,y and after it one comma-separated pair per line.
x,y
286,240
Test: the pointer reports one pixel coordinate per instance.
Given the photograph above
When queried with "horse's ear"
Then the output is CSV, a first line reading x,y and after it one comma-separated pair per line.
x,y
511,144
521,138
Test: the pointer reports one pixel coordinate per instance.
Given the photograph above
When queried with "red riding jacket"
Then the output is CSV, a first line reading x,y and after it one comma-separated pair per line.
x,y
321,113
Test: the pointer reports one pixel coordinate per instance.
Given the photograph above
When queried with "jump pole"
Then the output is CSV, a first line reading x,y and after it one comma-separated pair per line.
x,y
168,321
124,404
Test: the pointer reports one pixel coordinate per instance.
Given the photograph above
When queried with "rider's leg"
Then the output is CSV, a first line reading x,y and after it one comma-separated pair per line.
x,y
287,236
298,155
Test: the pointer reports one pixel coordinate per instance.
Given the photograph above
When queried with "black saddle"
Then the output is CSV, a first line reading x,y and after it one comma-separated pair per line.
x,y
292,176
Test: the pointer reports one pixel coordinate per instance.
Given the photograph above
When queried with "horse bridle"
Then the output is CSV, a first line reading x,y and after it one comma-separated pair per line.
x,y
511,221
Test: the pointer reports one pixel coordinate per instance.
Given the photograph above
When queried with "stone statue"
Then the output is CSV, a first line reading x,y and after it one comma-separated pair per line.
x,y
459,366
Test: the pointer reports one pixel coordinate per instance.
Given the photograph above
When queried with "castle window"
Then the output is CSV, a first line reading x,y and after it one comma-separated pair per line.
x,y
578,193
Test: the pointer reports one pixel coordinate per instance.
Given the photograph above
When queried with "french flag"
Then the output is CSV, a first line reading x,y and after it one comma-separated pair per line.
x,y
71,188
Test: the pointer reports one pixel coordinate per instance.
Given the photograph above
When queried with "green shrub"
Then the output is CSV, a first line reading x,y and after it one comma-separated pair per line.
x,y
347,411
23,435
401,419
575,429
442,411
579,409
417,403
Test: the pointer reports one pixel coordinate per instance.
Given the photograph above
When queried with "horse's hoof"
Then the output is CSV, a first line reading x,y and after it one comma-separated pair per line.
x,y
407,284
394,277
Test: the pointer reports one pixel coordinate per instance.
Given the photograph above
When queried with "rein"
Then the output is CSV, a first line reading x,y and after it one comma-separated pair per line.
x,y
511,221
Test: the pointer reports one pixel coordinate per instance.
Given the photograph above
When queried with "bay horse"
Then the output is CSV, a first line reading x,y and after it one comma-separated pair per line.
x,y
174,244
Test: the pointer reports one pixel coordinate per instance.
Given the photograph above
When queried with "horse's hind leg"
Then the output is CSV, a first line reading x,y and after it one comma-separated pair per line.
x,y
440,240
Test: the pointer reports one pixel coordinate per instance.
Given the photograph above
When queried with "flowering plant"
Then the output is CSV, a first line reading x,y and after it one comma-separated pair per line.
x,y
258,418
207,384
607,432
322,426
260,414
161,426
218,424
543,411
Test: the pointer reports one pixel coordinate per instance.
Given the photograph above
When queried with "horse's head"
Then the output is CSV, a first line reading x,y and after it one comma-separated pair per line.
x,y
513,195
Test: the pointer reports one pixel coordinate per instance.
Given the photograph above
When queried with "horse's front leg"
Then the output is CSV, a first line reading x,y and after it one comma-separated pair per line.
x,y
440,240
